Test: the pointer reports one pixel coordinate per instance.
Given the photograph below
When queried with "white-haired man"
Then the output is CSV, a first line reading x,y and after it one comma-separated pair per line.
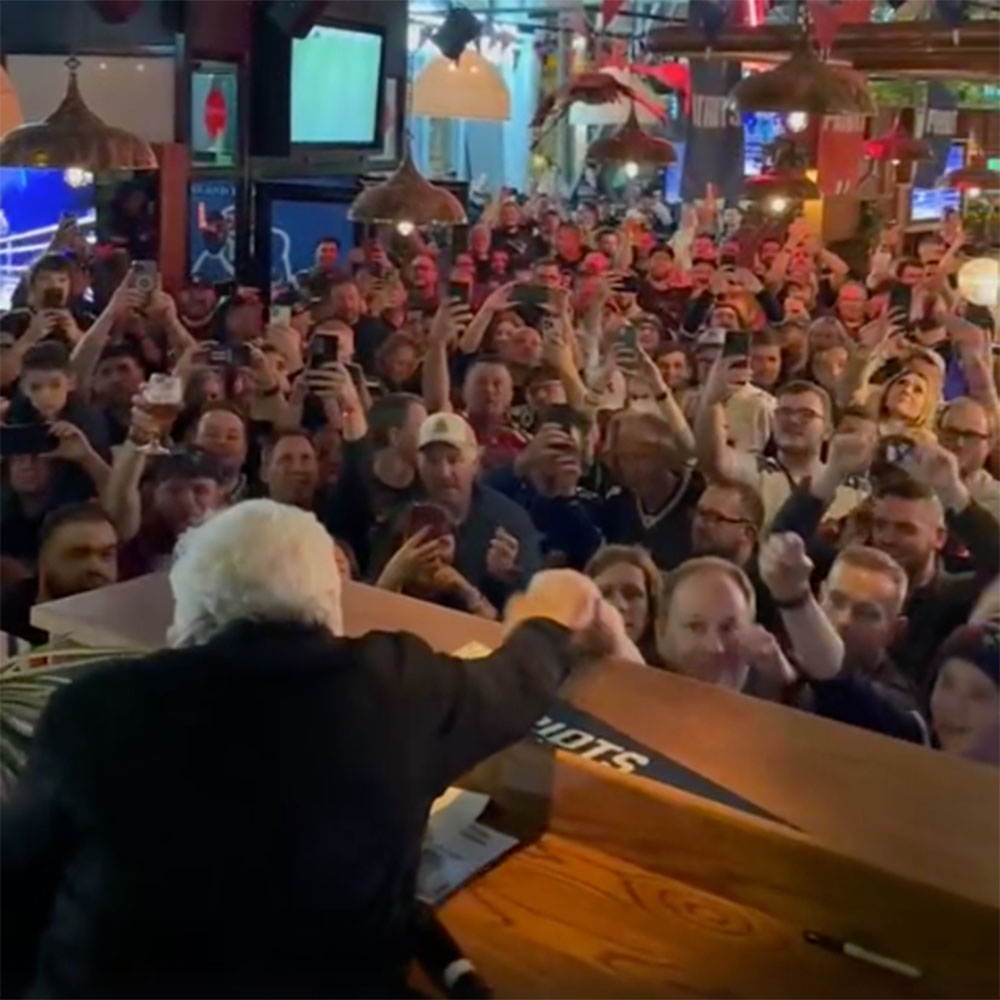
x,y
242,814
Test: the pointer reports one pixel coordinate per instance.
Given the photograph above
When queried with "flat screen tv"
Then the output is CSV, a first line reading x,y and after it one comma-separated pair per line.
x,y
336,90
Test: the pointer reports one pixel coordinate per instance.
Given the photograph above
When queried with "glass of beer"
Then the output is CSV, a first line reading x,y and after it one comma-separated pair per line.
x,y
163,398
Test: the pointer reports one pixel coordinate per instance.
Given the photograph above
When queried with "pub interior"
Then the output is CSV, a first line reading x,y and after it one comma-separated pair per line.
x,y
500,498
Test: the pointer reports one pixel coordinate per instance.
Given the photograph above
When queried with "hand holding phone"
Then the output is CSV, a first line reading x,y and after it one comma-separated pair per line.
x,y
435,519
27,439
737,344
324,349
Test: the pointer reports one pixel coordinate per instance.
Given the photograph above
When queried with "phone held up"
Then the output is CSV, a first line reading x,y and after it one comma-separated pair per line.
x,y
428,515
143,277
737,344
26,439
323,350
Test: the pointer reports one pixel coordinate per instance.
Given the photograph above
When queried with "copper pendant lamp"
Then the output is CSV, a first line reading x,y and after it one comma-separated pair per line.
x,y
804,82
73,136
407,198
975,177
785,175
632,144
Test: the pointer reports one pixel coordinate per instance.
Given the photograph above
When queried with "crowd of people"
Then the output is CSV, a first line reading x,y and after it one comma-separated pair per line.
x,y
781,469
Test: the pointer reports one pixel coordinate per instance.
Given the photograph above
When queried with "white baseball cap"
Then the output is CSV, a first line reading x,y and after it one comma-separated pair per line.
x,y
447,428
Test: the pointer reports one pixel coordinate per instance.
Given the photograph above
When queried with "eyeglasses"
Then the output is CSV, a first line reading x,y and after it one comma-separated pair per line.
x,y
958,436
797,413
714,517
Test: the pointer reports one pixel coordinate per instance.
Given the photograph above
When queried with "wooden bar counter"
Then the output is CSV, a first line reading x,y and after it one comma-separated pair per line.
x,y
636,888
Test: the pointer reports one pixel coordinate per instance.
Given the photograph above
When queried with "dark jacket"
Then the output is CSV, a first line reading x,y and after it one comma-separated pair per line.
x,y
568,525
488,511
244,818
932,611
666,534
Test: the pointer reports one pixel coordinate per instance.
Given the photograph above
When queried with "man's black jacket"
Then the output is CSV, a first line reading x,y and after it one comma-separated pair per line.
x,y
244,818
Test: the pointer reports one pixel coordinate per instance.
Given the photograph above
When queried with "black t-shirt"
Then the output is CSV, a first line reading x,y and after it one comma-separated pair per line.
x,y
15,612
19,531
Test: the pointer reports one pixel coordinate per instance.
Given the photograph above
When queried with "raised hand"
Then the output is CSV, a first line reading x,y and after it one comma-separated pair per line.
x,y
501,556
760,649
73,444
937,468
850,454
417,557
785,567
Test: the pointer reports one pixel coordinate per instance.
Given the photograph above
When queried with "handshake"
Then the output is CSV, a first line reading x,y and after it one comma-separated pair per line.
x,y
573,600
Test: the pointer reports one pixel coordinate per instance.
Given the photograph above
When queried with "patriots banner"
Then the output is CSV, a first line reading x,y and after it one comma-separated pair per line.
x,y
713,150
940,121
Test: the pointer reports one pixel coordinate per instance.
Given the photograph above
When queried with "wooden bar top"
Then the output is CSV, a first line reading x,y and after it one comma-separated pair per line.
x,y
638,889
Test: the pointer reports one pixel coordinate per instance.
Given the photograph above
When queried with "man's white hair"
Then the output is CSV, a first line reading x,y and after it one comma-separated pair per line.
x,y
257,561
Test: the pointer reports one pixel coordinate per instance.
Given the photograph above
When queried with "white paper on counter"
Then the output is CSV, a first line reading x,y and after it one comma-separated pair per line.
x,y
456,846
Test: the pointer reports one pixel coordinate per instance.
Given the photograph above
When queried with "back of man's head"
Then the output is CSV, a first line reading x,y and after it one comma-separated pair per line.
x,y
258,561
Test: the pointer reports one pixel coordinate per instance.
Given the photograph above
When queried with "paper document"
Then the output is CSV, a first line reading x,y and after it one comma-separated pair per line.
x,y
456,845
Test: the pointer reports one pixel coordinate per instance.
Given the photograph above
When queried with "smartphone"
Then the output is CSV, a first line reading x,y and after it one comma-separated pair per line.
x,y
460,290
628,339
52,298
323,350
280,315
431,516
530,295
737,344
143,275
27,439
628,284
897,449
900,299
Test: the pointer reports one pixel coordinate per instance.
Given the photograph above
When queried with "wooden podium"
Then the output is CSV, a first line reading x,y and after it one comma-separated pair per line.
x,y
640,889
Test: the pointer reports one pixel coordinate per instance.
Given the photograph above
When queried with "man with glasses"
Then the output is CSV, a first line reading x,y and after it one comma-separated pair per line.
x,y
964,429
802,423
727,523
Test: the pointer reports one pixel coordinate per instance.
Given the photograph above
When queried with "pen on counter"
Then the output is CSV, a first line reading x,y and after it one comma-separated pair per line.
x,y
855,951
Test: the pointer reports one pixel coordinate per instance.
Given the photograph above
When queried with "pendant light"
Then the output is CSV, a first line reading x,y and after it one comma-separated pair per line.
x,y
784,180
631,144
407,200
804,82
469,87
73,136
975,177
10,104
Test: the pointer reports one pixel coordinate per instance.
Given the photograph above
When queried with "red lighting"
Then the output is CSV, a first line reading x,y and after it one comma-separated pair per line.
x,y
216,112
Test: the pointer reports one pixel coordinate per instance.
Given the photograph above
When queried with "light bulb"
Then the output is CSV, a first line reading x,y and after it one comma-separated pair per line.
x,y
777,204
404,227
631,169
895,163
974,192
77,177
579,43
797,121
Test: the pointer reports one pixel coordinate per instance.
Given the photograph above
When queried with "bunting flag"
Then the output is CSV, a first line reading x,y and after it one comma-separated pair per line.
x,y
709,16
840,153
609,11
673,75
825,16
855,11
713,150
949,12
937,125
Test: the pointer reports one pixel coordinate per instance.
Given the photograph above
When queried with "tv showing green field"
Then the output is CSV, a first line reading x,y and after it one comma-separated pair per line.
x,y
335,86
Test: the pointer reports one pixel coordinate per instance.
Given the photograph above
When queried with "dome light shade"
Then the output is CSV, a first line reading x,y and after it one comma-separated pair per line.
x,y
617,111
804,82
407,197
979,281
471,88
630,144
10,104
974,176
73,136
